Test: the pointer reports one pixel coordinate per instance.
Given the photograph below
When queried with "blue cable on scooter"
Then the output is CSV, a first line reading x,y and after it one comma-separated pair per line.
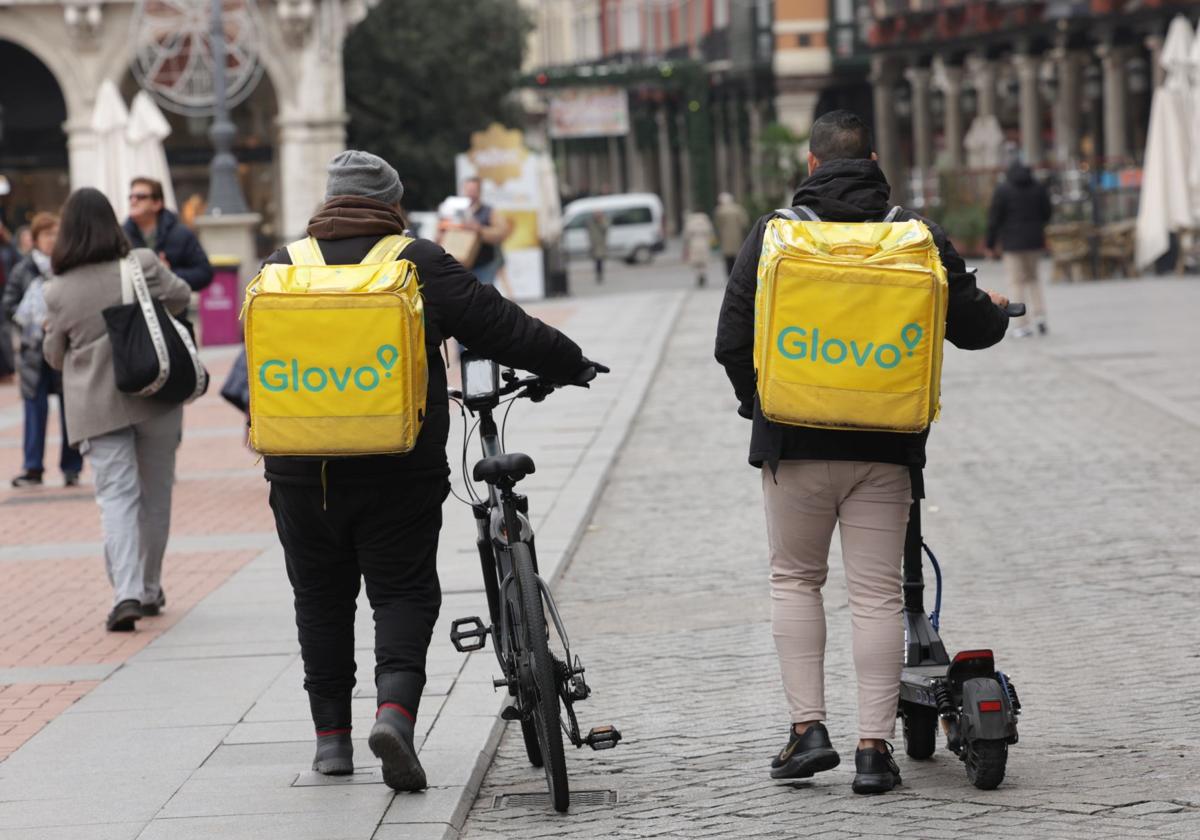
x,y
935,617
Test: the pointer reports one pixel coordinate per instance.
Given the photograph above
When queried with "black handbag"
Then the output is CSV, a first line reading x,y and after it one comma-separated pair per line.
x,y
154,355
236,389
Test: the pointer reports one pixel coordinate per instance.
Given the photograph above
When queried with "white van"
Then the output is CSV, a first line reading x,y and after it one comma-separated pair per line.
x,y
635,225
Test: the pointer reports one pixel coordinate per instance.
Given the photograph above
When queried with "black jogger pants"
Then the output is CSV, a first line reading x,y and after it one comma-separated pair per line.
x,y
388,536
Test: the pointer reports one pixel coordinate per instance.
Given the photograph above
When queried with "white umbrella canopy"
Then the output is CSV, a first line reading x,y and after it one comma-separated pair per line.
x,y
1165,203
113,160
1194,126
146,131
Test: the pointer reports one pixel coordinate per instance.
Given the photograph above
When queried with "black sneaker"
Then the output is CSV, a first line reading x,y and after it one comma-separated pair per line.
x,y
335,753
1042,328
124,616
29,478
71,479
155,607
805,754
877,772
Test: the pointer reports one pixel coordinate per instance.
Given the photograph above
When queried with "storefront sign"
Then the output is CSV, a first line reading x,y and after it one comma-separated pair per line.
x,y
589,112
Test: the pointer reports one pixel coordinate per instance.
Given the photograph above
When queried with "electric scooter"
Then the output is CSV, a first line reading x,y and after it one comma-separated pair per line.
x,y
977,706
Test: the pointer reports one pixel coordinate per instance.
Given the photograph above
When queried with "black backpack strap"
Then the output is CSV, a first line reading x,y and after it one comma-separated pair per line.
x,y
893,213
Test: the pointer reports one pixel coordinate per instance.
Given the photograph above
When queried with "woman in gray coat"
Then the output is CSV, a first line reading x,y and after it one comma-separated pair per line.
x,y
130,441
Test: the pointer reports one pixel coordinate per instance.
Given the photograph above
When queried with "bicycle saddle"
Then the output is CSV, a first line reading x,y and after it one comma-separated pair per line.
x,y
512,466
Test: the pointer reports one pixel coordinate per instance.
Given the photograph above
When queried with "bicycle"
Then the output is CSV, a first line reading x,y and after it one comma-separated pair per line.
x,y
518,599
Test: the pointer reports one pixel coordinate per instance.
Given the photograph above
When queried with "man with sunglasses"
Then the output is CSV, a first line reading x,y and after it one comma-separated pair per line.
x,y
150,225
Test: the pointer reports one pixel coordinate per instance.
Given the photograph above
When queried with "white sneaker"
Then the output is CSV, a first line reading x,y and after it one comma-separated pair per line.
x,y
1022,332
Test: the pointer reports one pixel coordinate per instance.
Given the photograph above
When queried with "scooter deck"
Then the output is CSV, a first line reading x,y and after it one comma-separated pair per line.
x,y
917,683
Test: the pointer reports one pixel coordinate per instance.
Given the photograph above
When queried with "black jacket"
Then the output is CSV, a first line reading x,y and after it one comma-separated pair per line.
x,y
841,191
456,305
1020,212
188,260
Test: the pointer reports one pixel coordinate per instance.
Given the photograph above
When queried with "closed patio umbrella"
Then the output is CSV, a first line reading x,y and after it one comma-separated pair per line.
x,y
113,161
1166,202
146,131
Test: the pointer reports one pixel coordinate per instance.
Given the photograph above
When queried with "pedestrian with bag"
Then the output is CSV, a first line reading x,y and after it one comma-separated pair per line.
x,y
732,225
697,245
373,517
1016,231
130,440
151,225
24,304
821,474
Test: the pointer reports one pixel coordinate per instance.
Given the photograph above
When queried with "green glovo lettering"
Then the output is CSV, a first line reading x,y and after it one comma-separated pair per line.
x,y
797,344
277,375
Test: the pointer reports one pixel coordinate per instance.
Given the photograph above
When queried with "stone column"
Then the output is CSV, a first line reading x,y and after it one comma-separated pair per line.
x,y
737,184
756,184
685,165
951,76
306,144
1031,111
665,180
922,120
1154,43
883,82
81,152
614,166
720,151
1116,128
1067,104
983,79
635,177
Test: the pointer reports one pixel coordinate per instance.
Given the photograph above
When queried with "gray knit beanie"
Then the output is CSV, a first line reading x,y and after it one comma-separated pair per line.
x,y
361,173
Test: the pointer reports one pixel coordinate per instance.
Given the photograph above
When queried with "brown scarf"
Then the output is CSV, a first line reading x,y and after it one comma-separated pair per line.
x,y
347,216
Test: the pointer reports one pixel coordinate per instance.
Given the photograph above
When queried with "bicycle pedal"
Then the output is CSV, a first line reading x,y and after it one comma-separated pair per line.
x,y
603,738
473,637
510,713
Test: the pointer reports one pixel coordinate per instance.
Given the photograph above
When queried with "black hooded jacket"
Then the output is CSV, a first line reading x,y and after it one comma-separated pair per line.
x,y
1020,212
180,246
841,191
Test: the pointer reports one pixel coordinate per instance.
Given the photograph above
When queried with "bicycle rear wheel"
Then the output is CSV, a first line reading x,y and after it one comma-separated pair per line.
x,y
539,688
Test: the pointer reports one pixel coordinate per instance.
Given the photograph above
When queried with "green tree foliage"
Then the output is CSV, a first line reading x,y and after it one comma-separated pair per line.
x,y
421,76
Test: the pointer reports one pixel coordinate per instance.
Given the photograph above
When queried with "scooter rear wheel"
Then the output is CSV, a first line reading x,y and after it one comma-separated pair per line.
x,y
920,730
986,761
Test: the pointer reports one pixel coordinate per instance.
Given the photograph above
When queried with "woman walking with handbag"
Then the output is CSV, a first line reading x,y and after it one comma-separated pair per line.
x,y
129,440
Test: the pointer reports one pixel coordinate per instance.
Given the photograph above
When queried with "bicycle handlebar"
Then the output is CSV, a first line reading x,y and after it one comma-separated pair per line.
x,y
1014,309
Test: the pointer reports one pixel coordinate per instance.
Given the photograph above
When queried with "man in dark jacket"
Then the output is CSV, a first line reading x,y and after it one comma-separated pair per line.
x,y
1017,221
817,479
150,225
378,517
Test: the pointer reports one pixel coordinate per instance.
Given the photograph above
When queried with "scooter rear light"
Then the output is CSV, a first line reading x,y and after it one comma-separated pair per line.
x,y
991,706
966,655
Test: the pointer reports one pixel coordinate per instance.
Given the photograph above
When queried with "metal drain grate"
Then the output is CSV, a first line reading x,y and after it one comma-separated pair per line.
x,y
541,799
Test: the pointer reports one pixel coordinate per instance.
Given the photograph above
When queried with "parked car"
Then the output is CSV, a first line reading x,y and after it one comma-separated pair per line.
x,y
635,220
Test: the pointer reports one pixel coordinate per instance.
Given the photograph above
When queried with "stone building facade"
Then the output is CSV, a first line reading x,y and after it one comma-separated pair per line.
x,y
82,43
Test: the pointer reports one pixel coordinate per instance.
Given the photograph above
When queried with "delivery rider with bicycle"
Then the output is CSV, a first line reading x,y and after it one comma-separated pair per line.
x,y
851,346
372,517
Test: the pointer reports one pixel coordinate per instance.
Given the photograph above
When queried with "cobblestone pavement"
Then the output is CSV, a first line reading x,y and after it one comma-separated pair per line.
x,y
1063,505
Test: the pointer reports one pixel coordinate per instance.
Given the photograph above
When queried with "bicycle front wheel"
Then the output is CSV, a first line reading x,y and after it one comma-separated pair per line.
x,y
539,688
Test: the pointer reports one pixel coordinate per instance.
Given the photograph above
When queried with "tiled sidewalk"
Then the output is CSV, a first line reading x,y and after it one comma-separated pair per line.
x,y
53,645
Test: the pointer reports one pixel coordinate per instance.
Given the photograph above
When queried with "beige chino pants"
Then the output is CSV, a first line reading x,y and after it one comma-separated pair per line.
x,y
1024,285
870,503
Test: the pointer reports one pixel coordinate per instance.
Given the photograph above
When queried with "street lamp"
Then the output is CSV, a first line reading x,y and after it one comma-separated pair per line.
x,y
224,191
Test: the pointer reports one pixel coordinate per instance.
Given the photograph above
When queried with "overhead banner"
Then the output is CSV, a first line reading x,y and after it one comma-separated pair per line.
x,y
589,112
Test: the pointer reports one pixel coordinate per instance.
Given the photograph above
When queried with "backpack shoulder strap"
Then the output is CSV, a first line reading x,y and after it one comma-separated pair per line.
x,y
893,213
794,213
387,249
305,252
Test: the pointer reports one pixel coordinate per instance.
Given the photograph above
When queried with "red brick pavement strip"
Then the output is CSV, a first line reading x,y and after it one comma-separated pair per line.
x,y
26,707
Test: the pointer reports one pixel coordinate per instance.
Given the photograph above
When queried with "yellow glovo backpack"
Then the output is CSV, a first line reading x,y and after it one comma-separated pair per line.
x,y
336,354
849,323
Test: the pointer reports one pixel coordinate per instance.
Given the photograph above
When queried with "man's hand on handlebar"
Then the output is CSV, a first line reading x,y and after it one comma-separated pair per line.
x,y
588,372
998,299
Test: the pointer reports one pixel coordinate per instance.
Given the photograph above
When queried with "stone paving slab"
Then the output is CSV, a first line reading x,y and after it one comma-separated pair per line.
x,y
212,711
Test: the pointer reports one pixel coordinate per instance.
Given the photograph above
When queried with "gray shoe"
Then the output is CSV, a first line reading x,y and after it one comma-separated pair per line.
x,y
391,740
155,606
335,753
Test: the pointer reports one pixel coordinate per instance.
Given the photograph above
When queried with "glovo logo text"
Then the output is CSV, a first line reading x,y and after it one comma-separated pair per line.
x,y
799,344
291,375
